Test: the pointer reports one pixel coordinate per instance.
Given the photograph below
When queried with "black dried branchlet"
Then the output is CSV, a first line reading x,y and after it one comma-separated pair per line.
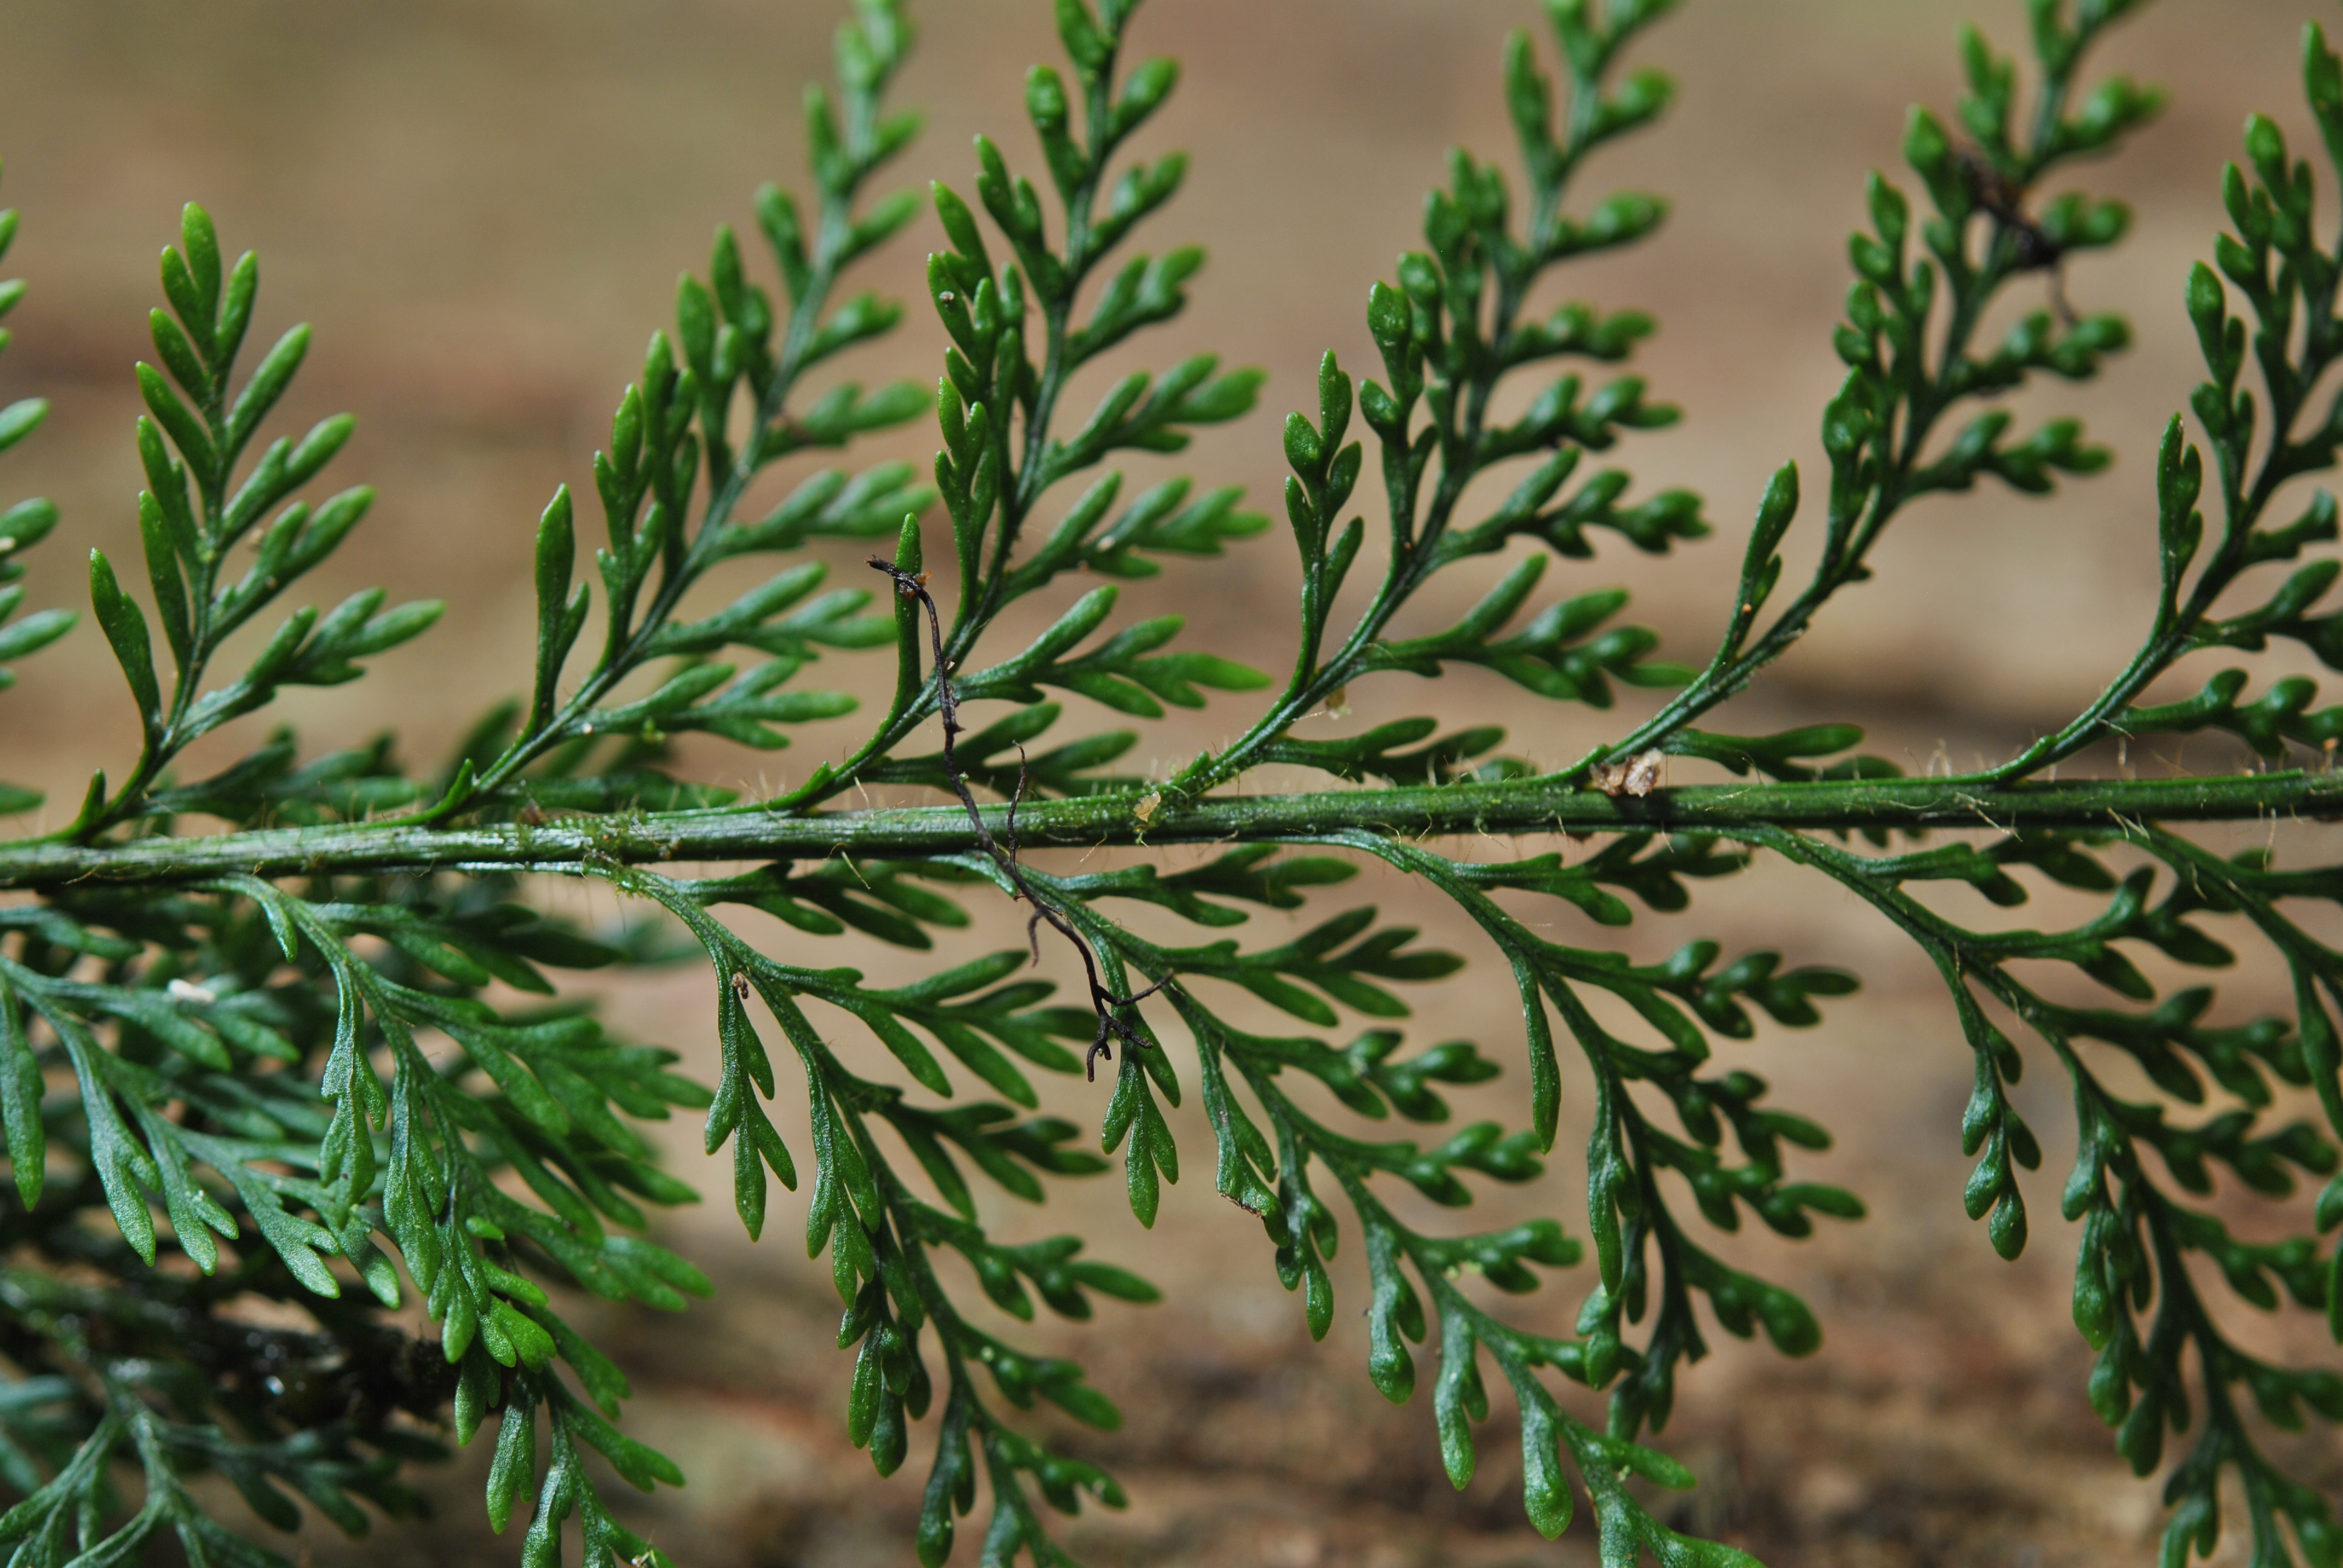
x,y
1104,1002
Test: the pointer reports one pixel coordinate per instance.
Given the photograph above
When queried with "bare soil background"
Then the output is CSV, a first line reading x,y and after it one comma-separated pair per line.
x,y
482,207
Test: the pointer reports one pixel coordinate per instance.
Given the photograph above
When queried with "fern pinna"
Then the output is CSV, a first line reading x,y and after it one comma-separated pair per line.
x,y
323,1054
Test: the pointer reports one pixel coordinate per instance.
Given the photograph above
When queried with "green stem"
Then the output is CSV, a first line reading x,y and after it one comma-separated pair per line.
x,y
617,665
2168,642
1022,485
1415,557
1844,556
1526,806
161,745
1417,553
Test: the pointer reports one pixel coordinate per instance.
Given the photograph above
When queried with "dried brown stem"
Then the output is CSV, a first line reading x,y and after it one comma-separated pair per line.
x,y
1104,1003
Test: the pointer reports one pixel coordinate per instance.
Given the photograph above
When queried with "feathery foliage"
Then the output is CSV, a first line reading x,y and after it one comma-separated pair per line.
x,y
323,1053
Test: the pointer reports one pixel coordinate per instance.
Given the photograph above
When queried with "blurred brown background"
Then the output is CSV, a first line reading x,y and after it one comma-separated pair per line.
x,y
482,208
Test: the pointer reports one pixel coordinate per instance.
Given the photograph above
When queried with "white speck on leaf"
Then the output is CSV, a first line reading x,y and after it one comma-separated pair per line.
x,y
1638,775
